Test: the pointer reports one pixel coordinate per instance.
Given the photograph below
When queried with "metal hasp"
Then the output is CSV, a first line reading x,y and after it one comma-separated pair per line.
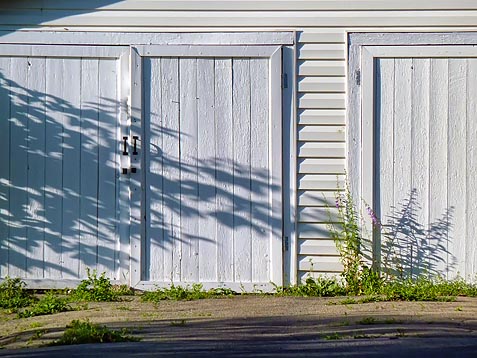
x,y
135,138
125,146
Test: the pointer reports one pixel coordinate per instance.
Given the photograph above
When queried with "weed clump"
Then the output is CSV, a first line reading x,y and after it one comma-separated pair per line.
x,y
318,287
49,304
14,295
82,332
95,289
175,293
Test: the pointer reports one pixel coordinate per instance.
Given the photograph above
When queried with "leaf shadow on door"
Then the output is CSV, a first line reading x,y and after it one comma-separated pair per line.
x,y
411,248
58,181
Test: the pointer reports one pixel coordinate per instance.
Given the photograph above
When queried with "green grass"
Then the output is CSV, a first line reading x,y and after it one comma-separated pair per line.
x,y
82,332
14,295
95,289
175,293
314,287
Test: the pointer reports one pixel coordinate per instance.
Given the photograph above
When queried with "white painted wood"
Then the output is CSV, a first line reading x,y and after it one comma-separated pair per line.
x,y
321,133
206,51
321,100
5,88
322,84
313,231
316,198
320,263
154,195
19,129
248,5
322,51
318,215
321,68
136,229
52,51
241,109
188,127
321,166
89,154
261,287
71,98
471,164
322,181
53,169
321,150
321,35
107,180
224,150
36,168
171,170
146,36
312,247
438,154
206,169
259,164
456,170
321,116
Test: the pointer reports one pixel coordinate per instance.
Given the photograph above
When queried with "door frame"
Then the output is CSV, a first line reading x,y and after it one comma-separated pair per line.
x,y
363,49
138,226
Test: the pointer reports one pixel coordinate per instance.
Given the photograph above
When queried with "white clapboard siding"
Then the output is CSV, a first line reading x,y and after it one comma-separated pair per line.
x,y
208,172
321,36
56,198
321,133
325,182
318,214
322,100
321,84
311,247
321,150
315,198
323,264
322,51
321,166
322,116
321,68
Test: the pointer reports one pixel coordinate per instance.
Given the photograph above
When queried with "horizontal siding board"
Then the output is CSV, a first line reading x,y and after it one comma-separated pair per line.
x,y
313,231
315,198
321,68
321,166
321,51
321,133
317,247
322,116
321,84
216,5
318,214
238,18
321,150
320,263
322,36
322,100
323,182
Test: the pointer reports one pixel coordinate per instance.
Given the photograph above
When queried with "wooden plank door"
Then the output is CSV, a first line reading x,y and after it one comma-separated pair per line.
x,y
211,123
419,159
59,120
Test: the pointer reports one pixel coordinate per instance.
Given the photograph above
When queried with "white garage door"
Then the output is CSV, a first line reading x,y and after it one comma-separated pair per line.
x,y
59,186
212,166
419,156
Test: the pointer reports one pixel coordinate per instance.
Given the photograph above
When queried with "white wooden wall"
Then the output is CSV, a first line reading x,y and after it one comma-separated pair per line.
x,y
59,187
426,186
321,27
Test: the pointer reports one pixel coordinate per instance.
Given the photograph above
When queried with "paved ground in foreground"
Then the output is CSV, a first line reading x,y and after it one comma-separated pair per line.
x,y
260,326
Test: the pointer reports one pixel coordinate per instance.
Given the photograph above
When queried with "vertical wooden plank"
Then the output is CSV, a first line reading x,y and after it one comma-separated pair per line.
x,y
260,166
171,169
107,201
5,88
188,168
403,161
456,161
471,172
19,167
154,253
384,169
420,160
136,179
89,165
206,169
224,168
36,165
438,126
54,168
71,168
241,83
276,163
123,187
